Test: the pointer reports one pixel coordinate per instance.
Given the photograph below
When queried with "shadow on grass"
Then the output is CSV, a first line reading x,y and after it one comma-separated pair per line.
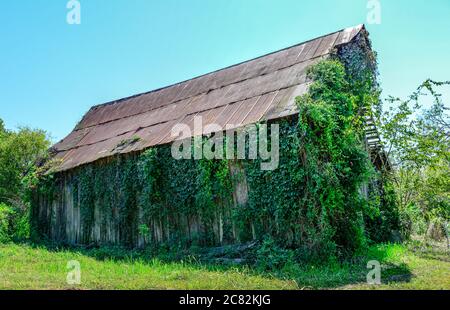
x,y
346,274
396,273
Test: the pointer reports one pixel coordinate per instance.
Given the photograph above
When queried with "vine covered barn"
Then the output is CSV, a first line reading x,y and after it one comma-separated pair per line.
x,y
113,180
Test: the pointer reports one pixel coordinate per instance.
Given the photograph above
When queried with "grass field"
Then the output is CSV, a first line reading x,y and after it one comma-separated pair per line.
x,y
403,267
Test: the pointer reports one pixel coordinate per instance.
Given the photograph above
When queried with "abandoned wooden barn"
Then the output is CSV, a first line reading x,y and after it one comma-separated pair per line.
x,y
104,189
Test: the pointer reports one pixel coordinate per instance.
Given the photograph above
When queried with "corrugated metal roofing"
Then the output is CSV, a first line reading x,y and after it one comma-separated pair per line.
x,y
260,89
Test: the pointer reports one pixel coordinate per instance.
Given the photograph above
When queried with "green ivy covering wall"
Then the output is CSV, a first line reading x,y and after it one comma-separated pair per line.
x,y
312,203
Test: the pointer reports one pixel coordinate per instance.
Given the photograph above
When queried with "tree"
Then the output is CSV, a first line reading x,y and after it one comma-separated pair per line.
x,y
19,152
416,132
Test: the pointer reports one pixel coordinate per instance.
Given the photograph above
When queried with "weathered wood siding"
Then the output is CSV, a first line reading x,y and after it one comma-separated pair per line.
x,y
60,220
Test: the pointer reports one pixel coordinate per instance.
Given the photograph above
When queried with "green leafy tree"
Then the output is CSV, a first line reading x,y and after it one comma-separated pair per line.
x,y
19,152
416,132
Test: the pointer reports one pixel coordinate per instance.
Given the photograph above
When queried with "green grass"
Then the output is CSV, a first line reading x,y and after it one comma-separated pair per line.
x,y
403,267
24,267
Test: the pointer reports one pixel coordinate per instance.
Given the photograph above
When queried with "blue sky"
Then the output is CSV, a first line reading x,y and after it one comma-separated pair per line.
x,y
53,72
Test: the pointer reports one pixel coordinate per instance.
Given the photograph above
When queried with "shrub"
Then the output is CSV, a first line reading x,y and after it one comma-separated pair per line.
x,y
271,257
14,224
5,215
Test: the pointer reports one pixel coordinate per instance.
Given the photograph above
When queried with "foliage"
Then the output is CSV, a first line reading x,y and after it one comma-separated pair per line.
x,y
14,225
5,213
416,132
19,153
271,257
313,201
144,197
311,206
416,136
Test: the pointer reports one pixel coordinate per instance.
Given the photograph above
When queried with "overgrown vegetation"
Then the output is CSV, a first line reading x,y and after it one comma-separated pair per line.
x,y
19,152
313,203
416,134
311,208
147,197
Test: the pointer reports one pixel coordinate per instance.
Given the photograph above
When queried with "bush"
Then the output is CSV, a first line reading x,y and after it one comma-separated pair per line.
x,y
271,257
21,228
5,215
412,220
14,224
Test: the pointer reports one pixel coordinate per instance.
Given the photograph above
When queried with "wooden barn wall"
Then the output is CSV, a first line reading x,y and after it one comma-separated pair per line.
x,y
60,220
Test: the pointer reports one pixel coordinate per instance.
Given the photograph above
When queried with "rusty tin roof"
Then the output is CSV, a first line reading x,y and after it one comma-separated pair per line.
x,y
260,89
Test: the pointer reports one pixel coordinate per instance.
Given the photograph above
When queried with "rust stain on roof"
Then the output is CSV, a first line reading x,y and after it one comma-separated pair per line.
x,y
260,89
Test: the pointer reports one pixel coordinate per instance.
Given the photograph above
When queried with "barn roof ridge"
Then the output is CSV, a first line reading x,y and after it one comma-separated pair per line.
x,y
221,69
